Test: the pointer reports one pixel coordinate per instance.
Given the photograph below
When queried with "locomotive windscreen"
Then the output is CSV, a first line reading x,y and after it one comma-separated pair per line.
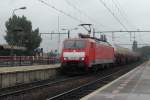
x,y
74,44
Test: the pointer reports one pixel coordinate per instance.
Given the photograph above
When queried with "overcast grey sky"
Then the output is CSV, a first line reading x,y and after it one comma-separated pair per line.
x,y
134,14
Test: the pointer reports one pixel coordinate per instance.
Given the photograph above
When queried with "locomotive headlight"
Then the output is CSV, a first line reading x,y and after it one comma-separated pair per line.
x,y
65,58
81,58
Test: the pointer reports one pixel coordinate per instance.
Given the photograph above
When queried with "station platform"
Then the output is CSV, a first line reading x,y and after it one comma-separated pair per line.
x,y
12,76
135,85
27,68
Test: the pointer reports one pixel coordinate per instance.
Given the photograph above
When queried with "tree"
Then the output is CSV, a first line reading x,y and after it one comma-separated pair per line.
x,y
145,51
52,53
19,32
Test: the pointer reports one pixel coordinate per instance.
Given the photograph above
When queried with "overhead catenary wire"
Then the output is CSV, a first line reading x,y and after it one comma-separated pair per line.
x,y
124,15
83,13
79,20
113,14
123,11
61,11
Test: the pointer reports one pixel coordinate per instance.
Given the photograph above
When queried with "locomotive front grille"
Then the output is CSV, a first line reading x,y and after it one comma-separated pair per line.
x,y
74,67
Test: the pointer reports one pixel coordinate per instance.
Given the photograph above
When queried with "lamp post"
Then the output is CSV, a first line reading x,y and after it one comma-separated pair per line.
x,y
21,8
68,31
12,42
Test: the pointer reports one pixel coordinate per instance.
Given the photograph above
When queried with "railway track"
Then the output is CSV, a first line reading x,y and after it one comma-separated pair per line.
x,y
22,88
66,88
78,92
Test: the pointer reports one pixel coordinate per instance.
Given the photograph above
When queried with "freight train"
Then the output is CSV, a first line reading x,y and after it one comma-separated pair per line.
x,y
86,54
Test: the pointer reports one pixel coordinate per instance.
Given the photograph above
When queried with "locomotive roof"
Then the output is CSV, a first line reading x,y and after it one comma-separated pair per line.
x,y
91,40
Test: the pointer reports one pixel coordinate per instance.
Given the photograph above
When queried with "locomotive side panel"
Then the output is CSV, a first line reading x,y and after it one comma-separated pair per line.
x,y
104,54
91,53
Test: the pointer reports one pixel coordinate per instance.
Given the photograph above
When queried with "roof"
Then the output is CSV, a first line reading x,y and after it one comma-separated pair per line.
x,y
6,46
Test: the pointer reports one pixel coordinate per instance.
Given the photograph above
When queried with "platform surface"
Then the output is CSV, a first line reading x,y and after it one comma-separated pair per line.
x,y
27,68
134,85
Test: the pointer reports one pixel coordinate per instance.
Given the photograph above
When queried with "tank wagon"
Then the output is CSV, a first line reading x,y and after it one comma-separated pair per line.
x,y
85,54
124,55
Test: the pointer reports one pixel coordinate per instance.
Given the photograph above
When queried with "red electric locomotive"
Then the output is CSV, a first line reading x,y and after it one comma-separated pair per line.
x,y
82,54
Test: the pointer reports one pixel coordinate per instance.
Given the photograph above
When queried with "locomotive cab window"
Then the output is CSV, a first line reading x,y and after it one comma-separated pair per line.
x,y
77,44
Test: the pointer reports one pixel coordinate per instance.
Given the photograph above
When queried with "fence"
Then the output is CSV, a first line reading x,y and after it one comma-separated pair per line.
x,y
27,60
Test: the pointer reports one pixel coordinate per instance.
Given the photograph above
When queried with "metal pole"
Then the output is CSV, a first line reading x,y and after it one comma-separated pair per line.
x,y
68,34
113,36
93,32
13,13
134,36
58,35
12,44
130,36
58,31
12,53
